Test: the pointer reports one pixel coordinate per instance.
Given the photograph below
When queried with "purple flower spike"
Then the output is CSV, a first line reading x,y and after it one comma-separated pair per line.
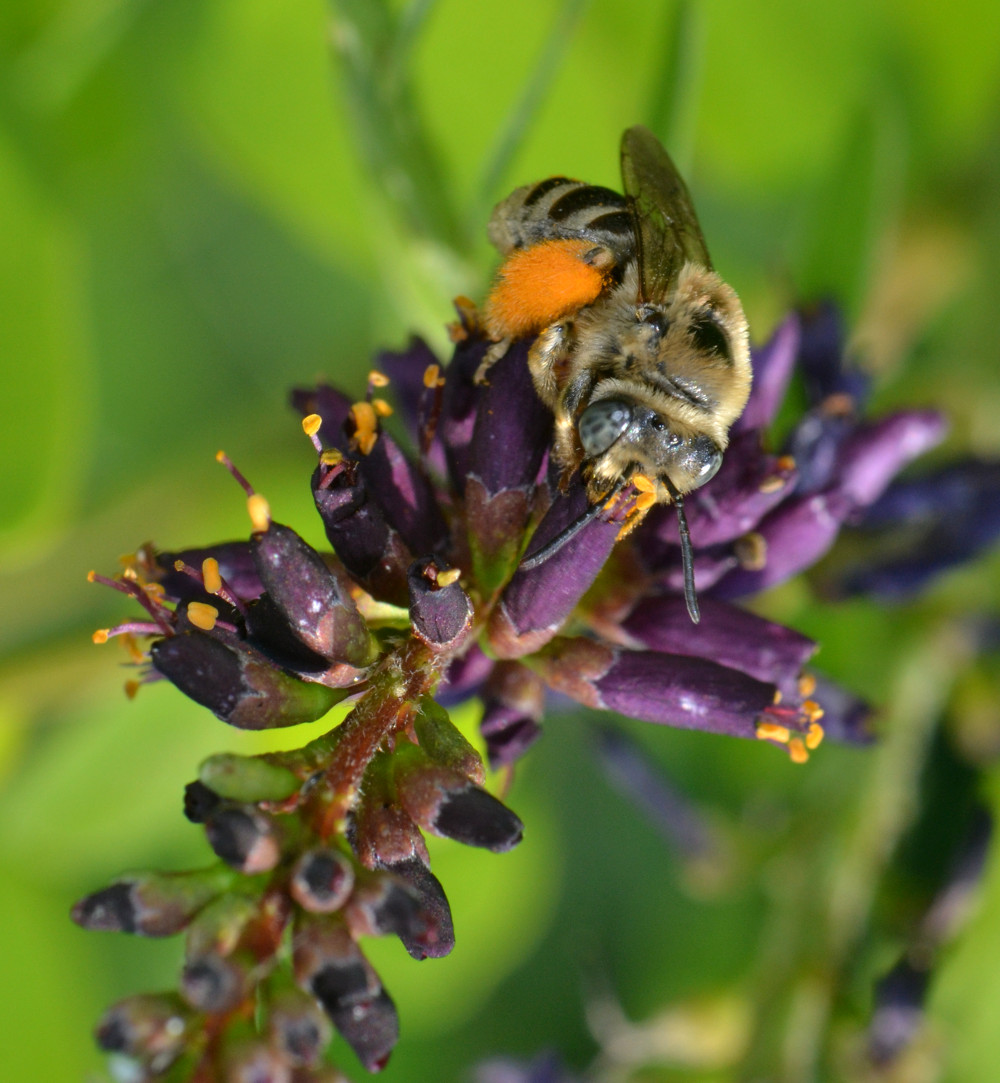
x,y
474,565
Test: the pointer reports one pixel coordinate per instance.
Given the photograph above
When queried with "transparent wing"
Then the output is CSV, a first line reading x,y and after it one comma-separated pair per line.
x,y
666,227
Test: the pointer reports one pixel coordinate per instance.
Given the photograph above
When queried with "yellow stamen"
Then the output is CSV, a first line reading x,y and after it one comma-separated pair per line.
x,y
431,374
643,484
812,710
221,457
448,576
260,513
378,379
365,426
331,456
155,591
751,551
777,697
101,635
807,684
644,501
797,750
210,573
202,616
179,565
773,731
772,484
814,736
311,424
132,689
381,407
91,576
786,462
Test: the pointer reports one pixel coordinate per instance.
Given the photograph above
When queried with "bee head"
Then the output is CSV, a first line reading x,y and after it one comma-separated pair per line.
x,y
620,436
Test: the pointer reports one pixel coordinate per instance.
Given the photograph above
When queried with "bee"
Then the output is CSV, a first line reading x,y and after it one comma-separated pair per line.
x,y
642,350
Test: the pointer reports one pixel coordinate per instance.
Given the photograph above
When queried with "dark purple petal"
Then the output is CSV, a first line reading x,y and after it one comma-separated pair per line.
x,y
464,677
370,1028
513,427
899,1011
356,527
773,365
459,404
440,615
237,684
691,693
513,704
537,601
815,445
438,935
405,369
874,453
821,357
962,491
317,606
727,635
846,717
405,495
333,406
794,537
236,566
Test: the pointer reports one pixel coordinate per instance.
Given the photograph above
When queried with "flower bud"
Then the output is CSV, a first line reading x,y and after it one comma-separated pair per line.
x,y
297,1027
444,743
447,804
437,937
244,837
513,699
152,1028
247,1058
151,903
321,880
318,609
440,614
379,905
329,964
237,684
247,779
370,1028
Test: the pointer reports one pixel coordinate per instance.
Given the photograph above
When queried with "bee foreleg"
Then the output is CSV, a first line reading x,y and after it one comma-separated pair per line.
x,y
490,358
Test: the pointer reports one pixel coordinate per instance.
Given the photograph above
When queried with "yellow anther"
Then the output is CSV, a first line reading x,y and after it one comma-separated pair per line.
x,y
448,576
101,635
812,710
365,426
797,750
378,379
431,374
179,565
785,462
814,736
773,731
644,501
643,484
132,689
751,551
202,615
777,697
210,573
91,576
772,484
331,456
260,513
807,684
221,457
381,407
155,591
311,424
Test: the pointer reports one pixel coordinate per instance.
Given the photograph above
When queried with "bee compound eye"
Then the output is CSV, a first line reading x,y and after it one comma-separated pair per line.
x,y
704,459
601,424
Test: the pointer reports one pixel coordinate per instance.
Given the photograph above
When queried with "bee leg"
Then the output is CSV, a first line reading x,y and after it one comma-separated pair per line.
x,y
490,358
546,360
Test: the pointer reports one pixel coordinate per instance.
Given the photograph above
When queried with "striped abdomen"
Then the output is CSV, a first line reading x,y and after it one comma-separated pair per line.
x,y
563,209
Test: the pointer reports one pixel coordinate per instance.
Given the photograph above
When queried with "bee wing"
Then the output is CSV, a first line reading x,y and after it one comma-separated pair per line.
x,y
666,228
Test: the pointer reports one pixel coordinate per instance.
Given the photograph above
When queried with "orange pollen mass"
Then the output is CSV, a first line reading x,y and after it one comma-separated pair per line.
x,y
537,285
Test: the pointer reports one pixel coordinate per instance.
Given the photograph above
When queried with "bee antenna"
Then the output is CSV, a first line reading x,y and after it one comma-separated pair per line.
x,y
687,552
550,548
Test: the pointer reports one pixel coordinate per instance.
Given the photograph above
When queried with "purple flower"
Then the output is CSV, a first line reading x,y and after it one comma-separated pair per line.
x,y
428,598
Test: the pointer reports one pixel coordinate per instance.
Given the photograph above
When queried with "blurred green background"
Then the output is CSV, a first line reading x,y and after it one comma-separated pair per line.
x,y
203,202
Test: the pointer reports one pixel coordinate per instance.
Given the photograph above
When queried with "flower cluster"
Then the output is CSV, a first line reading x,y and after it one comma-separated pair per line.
x,y
422,603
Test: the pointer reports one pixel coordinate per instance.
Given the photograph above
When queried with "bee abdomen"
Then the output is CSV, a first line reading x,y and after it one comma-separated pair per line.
x,y
562,209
